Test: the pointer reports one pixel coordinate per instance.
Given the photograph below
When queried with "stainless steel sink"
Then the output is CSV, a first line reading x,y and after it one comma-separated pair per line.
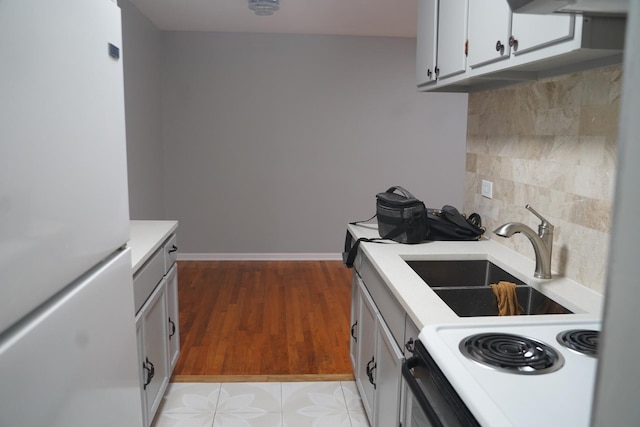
x,y
480,301
464,286
446,273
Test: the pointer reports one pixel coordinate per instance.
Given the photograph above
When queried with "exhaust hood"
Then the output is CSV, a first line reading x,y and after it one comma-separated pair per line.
x,y
586,7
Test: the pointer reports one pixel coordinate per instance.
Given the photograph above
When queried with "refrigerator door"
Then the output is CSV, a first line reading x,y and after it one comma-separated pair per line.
x,y
73,362
63,174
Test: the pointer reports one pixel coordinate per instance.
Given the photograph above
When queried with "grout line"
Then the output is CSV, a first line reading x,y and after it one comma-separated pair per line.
x,y
344,399
215,409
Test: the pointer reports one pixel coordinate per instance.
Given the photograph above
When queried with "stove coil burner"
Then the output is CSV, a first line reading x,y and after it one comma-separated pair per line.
x,y
584,341
511,353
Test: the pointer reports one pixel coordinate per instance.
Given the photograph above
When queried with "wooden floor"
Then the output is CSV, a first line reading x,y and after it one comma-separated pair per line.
x,y
263,320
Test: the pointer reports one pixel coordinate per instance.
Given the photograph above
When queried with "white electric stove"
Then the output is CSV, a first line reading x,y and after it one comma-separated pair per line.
x,y
548,384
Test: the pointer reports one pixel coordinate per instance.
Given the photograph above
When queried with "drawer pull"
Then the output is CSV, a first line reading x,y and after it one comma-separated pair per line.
x,y
370,369
409,345
150,371
173,249
173,328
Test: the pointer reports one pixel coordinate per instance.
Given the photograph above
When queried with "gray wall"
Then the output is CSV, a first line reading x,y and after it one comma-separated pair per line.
x,y
274,142
142,53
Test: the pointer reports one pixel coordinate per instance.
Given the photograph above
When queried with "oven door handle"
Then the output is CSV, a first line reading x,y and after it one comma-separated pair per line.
x,y
417,392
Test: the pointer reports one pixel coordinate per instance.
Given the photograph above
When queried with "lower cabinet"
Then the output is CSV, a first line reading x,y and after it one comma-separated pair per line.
x,y
365,360
388,378
378,359
355,309
158,332
152,331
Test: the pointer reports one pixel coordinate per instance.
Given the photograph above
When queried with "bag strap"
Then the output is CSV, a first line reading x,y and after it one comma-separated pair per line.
x,y
350,251
366,220
475,219
403,227
400,190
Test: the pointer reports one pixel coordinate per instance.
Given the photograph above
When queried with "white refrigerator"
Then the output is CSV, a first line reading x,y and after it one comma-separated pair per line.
x,y
67,328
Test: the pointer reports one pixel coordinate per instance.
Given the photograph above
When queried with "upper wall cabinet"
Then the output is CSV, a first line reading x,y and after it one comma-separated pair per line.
x,y
427,41
441,40
467,45
489,31
531,32
452,36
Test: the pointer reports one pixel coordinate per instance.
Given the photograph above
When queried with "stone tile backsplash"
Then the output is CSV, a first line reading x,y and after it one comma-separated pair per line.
x,y
551,144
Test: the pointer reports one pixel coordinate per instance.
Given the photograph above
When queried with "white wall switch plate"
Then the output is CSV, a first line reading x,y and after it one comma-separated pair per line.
x,y
487,189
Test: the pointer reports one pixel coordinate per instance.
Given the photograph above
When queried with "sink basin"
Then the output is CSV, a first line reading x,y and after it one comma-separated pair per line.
x,y
446,273
478,301
464,286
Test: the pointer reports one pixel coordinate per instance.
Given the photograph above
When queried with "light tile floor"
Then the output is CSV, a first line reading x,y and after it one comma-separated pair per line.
x,y
265,404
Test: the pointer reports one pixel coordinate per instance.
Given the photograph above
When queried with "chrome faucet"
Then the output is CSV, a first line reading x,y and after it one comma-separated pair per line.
x,y
542,242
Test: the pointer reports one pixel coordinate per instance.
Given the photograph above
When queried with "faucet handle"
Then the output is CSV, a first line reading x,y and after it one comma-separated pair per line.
x,y
545,223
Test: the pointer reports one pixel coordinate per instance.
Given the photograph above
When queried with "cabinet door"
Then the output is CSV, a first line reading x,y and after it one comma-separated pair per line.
x,y
387,378
489,31
155,364
173,326
366,348
452,36
141,366
427,41
355,308
532,32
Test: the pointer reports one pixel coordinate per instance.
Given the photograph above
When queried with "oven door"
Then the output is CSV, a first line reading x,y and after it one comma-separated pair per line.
x,y
429,398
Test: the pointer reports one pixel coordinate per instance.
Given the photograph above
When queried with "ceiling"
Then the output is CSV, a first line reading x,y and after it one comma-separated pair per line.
x,y
395,18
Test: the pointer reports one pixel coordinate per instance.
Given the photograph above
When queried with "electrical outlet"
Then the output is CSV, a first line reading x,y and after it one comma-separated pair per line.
x,y
487,189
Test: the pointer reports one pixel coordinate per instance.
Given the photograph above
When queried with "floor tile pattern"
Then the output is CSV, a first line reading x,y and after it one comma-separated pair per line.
x,y
266,404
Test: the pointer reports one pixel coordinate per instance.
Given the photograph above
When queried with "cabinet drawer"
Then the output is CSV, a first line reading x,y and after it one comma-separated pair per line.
x,y
146,279
170,249
388,306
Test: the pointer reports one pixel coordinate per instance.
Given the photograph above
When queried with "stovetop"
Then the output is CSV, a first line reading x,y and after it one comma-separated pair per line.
x,y
561,395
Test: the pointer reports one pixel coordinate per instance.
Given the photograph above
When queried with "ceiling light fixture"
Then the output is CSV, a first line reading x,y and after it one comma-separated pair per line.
x,y
264,7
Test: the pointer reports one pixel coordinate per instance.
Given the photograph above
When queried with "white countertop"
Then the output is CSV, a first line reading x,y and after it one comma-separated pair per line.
x,y
424,307
146,238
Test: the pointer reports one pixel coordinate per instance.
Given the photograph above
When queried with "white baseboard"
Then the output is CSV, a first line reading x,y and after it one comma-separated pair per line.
x,y
261,257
